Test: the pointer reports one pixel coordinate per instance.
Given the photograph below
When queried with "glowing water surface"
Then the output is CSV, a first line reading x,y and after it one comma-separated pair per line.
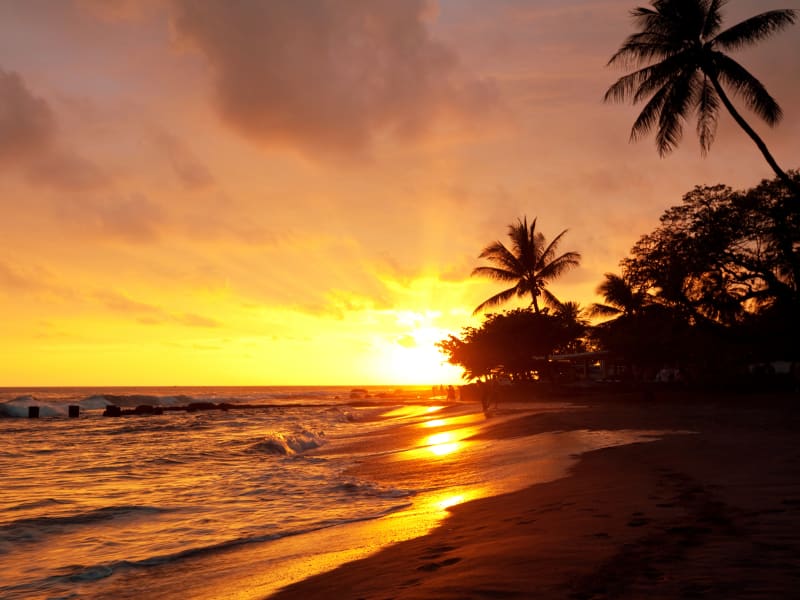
x,y
202,505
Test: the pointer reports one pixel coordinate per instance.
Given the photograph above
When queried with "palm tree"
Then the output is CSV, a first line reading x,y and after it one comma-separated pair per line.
x,y
531,264
621,299
681,44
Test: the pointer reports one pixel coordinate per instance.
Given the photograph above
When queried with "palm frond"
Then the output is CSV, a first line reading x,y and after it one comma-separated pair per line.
x,y
642,48
496,300
616,291
550,300
707,111
647,80
497,253
661,74
547,252
656,21
713,20
755,29
602,310
674,112
521,235
748,88
559,266
494,273
650,114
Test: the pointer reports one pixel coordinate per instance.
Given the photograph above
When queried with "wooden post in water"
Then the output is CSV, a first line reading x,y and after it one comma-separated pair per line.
x,y
33,412
112,411
74,411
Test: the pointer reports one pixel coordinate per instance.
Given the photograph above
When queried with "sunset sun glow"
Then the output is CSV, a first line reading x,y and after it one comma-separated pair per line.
x,y
184,205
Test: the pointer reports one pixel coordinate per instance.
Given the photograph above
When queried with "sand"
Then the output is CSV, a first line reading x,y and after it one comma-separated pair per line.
x,y
709,514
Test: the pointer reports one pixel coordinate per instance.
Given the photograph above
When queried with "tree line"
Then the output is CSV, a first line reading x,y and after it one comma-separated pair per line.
x,y
713,289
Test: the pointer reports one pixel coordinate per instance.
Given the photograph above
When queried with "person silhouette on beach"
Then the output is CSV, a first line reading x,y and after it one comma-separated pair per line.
x,y
486,396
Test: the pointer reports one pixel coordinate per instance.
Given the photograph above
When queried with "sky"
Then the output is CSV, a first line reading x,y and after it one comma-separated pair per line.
x,y
198,192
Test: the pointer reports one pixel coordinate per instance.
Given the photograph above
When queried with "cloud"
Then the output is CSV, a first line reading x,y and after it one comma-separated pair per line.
x,y
28,141
150,314
189,170
132,217
27,125
192,320
118,10
12,278
329,77
65,171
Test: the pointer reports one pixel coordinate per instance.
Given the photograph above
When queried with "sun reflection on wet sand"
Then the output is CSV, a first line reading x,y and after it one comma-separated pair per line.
x,y
442,443
411,410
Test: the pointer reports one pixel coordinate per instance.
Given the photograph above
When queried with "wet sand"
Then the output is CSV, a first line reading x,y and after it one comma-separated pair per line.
x,y
712,514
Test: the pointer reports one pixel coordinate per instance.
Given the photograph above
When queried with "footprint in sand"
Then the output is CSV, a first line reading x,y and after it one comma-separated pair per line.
x,y
436,551
435,566
638,521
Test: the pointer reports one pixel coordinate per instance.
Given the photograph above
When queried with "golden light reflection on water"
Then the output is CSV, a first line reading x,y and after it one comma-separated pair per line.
x,y
440,438
411,410
442,444
444,449
451,501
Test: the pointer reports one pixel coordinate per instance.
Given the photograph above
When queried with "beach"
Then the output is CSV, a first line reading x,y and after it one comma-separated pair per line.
x,y
710,511
557,493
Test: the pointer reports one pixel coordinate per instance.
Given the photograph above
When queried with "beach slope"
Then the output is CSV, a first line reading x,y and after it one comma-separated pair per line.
x,y
714,513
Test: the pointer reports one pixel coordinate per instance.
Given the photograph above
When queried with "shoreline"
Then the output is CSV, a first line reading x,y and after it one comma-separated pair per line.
x,y
710,513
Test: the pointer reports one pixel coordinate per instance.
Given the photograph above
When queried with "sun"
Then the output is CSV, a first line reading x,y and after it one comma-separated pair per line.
x,y
414,359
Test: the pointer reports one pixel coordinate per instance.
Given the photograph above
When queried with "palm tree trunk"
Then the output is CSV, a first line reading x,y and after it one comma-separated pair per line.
x,y
782,175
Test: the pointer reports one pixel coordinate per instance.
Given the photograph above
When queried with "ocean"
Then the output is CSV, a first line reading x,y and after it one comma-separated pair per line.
x,y
284,483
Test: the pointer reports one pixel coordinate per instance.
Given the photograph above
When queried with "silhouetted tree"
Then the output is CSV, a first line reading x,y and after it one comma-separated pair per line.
x,y
621,299
531,263
686,69
514,343
722,254
715,285
574,325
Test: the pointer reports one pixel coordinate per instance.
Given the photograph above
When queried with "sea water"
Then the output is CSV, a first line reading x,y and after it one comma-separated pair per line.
x,y
236,503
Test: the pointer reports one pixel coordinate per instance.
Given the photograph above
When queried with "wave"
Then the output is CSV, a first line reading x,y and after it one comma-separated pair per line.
x,y
288,444
18,408
372,490
39,504
33,529
133,400
85,573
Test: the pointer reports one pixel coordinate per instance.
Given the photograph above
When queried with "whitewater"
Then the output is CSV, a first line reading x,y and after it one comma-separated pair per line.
x,y
272,490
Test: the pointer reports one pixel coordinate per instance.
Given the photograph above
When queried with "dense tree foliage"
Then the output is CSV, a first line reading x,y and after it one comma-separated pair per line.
x,y
516,343
714,286
722,255
714,289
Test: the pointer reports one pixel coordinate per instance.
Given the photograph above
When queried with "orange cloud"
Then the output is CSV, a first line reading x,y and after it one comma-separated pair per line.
x,y
192,173
28,140
151,314
27,124
328,77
